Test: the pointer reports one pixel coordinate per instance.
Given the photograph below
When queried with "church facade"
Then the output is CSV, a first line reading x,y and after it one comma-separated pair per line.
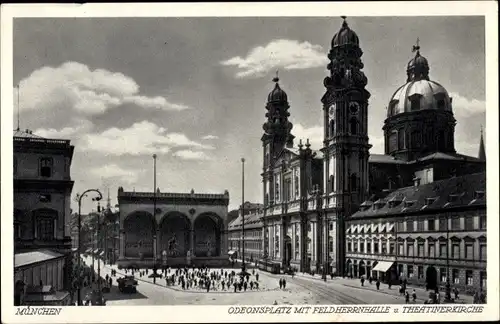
x,y
313,199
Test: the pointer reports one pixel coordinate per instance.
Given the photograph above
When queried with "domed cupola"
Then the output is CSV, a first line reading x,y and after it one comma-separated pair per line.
x,y
418,67
345,36
419,115
277,95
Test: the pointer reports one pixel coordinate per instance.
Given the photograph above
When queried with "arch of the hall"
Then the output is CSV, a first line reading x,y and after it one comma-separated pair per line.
x,y
175,234
208,229
139,230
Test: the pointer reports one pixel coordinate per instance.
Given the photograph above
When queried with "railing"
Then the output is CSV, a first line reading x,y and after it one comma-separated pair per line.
x,y
41,140
174,195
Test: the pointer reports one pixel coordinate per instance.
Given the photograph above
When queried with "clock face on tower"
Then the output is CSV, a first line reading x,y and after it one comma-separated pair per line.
x,y
353,108
331,111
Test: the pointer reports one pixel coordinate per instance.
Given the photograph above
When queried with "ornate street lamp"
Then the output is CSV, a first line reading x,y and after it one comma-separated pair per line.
x,y
154,218
79,238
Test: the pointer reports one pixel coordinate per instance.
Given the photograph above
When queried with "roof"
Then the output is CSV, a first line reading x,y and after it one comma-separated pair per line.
x,y
452,192
448,156
382,158
27,258
251,221
25,133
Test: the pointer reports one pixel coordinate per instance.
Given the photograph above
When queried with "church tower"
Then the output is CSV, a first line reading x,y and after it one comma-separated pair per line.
x,y
345,145
276,136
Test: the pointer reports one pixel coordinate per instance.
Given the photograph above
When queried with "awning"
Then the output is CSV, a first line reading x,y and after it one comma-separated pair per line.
x,y
231,252
102,253
383,266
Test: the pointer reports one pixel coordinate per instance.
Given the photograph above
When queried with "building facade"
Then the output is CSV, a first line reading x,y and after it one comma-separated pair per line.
x,y
42,214
430,235
312,199
252,240
186,228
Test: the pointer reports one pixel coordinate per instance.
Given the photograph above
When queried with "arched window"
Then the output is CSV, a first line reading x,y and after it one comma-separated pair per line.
x,y
332,128
353,126
45,224
332,183
353,182
415,103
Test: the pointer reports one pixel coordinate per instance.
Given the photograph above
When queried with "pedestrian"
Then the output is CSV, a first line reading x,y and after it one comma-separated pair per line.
x,y
378,284
208,286
251,285
362,281
281,283
455,291
234,285
257,276
245,285
256,285
284,283
407,297
223,285
389,285
331,275
370,280
414,295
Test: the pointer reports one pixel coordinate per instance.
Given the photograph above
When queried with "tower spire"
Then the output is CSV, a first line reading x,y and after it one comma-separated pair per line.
x,y
482,152
108,205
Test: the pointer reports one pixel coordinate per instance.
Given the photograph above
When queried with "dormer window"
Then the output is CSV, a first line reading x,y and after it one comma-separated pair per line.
x,y
409,204
414,102
440,101
395,201
429,201
453,198
378,204
479,194
46,167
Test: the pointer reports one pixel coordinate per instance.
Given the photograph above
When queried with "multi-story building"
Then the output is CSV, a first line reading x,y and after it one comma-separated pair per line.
x,y
253,233
310,196
430,235
42,198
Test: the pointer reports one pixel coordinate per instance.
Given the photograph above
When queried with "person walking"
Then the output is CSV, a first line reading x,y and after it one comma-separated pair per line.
x,y
257,276
414,295
284,283
455,291
378,284
245,285
407,297
281,283
251,285
362,281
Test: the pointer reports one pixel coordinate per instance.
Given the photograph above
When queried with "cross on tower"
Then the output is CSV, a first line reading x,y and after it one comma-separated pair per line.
x,y
276,78
417,46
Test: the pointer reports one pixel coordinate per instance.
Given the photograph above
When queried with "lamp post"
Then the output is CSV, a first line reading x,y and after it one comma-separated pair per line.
x,y
154,218
98,231
243,267
80,240
447,292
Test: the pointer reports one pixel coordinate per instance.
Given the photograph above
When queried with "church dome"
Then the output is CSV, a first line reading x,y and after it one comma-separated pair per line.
x,y
277,94
419,92
419,95
345,36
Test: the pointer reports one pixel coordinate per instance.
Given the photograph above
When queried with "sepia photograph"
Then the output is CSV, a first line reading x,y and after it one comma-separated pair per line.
x,y
326,164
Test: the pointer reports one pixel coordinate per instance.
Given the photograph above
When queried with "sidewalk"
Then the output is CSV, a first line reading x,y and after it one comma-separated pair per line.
x,y
422,294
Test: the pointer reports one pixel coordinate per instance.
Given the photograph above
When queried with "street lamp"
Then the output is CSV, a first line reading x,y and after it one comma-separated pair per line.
x,y
98,239
243,267
154,218
79,238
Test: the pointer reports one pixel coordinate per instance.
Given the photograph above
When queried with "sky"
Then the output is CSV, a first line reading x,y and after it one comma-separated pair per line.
x,y
193,90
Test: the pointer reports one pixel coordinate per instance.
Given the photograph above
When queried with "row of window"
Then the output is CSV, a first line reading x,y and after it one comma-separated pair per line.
x,y
443,275
45,166
419,249
442,224
353,127
44,229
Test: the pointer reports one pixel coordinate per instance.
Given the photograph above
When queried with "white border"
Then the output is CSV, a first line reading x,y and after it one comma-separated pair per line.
x,y
488,9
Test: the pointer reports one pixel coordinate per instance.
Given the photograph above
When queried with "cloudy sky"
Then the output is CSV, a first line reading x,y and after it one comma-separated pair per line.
x,y
193,90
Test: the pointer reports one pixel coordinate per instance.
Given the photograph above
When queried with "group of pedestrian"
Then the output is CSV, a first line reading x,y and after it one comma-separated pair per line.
x,y
479,297
205,279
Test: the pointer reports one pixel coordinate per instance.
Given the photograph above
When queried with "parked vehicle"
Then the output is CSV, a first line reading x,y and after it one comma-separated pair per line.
x,y
127,284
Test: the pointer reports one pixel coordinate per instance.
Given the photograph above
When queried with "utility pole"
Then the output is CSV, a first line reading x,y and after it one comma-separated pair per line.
x,y
243,267
154,218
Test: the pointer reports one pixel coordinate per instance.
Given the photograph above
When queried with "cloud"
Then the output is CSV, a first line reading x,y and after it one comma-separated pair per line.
x,y
314,134
74,86
281,53
464,107
111,171
209,137
140,138
66,132
191,155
